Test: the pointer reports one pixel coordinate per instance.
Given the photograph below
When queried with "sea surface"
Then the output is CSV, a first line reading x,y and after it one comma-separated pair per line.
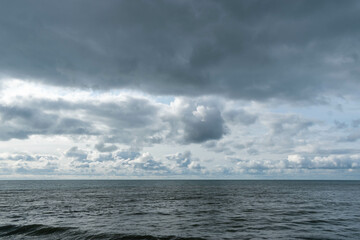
x,y
179,209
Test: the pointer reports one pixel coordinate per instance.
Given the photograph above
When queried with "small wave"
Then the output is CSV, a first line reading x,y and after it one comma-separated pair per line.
x,y
39,230
31,230
138,237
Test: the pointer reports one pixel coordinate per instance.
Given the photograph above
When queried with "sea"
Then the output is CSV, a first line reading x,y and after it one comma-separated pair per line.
x,y
179,209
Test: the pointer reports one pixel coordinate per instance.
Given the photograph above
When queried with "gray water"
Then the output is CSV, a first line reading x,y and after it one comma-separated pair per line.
x,y
180,210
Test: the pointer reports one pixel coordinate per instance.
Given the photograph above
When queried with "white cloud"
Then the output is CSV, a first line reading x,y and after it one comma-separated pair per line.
x,y
111,129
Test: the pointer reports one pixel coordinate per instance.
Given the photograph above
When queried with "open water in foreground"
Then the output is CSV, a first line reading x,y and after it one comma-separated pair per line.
x,y
179,210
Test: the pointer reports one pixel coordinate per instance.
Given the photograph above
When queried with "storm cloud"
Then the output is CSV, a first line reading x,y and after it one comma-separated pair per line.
x,y
254,50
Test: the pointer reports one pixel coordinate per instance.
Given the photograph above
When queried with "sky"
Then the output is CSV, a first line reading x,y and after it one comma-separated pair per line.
x,y
179,89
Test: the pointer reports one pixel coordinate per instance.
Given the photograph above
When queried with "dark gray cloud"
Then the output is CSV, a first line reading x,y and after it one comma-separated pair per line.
x,y
196,121
22,121
129,112
242,49
207,127
132,121
127,120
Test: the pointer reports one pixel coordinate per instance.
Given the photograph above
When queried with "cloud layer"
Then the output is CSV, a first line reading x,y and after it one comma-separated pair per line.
x,y
212,89
124,134
245,50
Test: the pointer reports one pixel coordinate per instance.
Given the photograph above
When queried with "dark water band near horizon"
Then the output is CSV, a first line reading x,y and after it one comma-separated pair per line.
x,y
179,209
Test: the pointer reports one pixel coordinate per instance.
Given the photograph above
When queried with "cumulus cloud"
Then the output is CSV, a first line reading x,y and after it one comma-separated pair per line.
x,y
196,121
129,162
146,162
248,50
185,162
25,157
324,162
122,162
28,164
297,162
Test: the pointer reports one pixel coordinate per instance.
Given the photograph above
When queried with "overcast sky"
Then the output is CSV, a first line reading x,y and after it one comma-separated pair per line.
x,y
179,89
